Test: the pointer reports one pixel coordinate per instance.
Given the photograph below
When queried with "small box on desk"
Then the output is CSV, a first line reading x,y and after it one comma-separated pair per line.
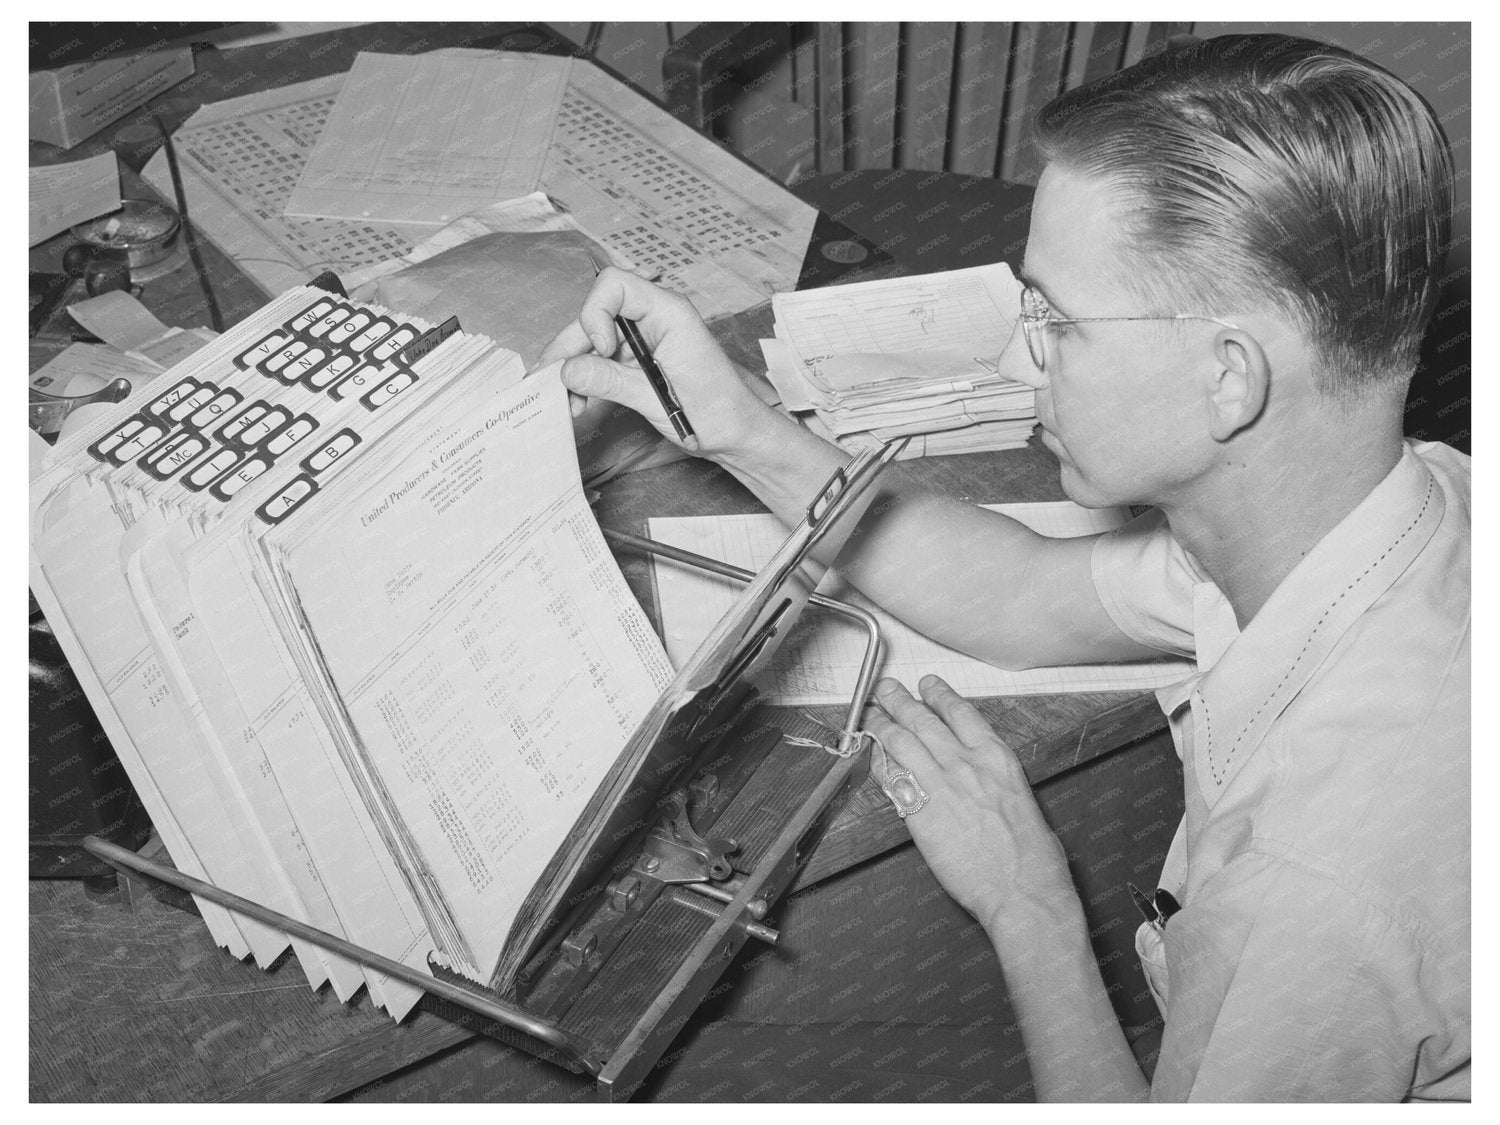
x,y
70,103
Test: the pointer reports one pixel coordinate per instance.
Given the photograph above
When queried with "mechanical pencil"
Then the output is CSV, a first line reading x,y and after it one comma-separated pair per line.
x,y
637,344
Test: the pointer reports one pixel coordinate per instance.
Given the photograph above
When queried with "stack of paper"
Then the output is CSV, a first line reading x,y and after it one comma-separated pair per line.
x,y
64,194
351,627
426,138
908,357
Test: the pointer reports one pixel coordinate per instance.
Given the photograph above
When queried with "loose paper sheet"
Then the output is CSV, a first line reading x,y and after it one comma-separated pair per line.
x,y
240,159
904,357
531,213
426,138
653,190
820,662
968,313
119,319
665,196
63,195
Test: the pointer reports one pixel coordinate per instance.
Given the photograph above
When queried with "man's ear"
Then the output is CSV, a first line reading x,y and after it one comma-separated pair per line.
x,y
1239,385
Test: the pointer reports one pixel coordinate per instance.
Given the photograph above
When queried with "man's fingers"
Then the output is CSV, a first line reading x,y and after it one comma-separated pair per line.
x,y
870,723
901,746
621,293
962,717
599,325
571,341
915,716
617,293
594,377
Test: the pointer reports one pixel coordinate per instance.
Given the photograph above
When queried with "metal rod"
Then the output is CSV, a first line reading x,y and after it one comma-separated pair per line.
x,y
496,1010
189,235
756,906
868,667
758,930
865,618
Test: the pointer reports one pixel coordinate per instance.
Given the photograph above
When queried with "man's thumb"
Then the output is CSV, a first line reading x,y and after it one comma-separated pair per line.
x,y
596,377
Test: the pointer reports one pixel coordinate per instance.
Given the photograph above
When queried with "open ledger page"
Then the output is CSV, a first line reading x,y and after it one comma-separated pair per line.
x,y
490,660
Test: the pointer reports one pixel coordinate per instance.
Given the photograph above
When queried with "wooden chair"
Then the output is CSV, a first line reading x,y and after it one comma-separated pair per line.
x,y
955,97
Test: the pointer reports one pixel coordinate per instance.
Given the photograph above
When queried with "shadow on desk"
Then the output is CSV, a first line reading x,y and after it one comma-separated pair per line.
x,y
882,988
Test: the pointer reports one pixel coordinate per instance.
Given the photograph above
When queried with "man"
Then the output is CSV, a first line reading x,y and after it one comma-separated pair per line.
x,y
1234,251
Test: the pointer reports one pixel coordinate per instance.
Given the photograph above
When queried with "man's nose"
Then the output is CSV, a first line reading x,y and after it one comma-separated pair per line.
x,y
1015,360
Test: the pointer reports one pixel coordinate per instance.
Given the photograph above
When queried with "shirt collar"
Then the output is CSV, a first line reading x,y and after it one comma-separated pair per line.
x,y
1262,670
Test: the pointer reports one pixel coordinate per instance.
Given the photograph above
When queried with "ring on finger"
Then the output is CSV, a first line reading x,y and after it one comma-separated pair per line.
x,y
900,785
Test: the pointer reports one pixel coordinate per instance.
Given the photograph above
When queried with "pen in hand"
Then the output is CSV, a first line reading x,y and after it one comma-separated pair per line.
x,y
637,344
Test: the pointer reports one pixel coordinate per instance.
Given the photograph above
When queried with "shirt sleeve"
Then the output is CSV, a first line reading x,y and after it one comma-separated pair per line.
x,y
1286,986
1145,580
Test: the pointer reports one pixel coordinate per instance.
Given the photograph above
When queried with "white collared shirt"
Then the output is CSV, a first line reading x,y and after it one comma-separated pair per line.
x,y
1322,952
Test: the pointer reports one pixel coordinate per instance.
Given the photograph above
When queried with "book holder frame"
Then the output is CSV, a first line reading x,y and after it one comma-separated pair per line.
x,y
639,1051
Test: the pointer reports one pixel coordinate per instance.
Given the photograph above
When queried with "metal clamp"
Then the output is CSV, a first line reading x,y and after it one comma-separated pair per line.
x,y
681,854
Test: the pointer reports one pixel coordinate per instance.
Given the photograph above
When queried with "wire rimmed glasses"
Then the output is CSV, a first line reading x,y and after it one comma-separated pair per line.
x,y
1037,317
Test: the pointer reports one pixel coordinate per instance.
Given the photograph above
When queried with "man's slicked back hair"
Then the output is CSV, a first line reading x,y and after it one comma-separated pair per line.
x,y
1288,171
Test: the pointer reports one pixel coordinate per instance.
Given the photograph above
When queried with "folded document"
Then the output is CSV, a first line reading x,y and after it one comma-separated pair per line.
x,y
905,357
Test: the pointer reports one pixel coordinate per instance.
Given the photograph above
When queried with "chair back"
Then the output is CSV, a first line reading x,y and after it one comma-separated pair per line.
x,y
953,97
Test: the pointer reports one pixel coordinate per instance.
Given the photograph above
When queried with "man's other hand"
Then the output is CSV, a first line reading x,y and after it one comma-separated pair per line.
x,y
981,830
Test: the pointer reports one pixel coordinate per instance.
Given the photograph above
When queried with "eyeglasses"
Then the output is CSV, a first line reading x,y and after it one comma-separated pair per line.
x,y
1037,317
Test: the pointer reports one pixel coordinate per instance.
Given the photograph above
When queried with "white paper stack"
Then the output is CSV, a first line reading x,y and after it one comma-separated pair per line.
x,y
351,628
907,357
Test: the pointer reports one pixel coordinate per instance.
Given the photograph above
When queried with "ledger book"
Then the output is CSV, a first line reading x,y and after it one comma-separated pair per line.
x,y
335,591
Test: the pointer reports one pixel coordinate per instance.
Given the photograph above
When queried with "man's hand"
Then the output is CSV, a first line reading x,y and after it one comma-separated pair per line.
x,y
981,830
983,835
724,412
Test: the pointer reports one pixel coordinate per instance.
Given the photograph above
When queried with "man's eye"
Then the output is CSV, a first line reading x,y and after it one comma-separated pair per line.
x,y
1061,329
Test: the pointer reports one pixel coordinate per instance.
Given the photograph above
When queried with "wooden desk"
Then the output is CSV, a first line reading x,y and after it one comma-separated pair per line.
x,y
882,988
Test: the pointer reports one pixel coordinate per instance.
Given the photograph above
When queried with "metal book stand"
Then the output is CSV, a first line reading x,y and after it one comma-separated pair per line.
x,y
619,976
